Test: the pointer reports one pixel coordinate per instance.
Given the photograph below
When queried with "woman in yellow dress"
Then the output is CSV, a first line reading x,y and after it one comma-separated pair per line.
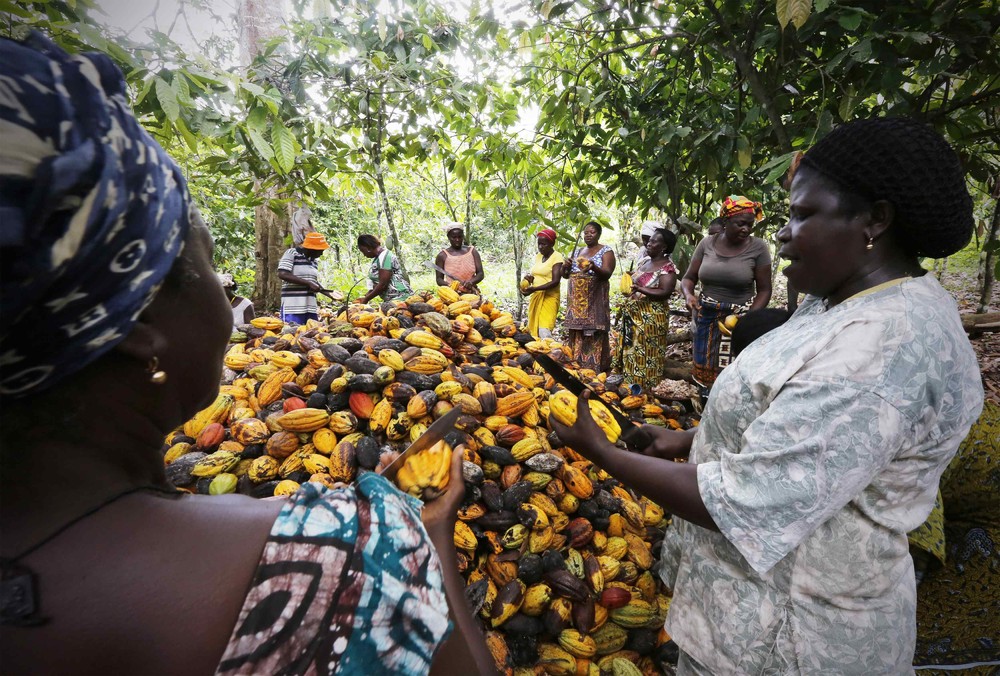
x,y
542,284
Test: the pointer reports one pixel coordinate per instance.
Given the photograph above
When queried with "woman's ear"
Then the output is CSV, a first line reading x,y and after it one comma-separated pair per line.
x,y
143,343
883,214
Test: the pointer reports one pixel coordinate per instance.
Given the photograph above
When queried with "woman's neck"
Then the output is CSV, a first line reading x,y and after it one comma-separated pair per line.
x,y
880,272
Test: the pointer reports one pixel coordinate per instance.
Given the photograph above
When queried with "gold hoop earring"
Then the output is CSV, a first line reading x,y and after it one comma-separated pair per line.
x,y
871,244
157,377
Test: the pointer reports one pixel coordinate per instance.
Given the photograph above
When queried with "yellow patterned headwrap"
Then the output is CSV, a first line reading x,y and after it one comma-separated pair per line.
x,y
737,204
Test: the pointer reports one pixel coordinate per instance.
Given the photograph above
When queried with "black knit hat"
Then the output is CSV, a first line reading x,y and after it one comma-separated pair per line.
x,y
910,165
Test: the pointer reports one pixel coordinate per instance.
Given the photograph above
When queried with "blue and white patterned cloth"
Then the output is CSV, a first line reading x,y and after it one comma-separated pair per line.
x,y
93,213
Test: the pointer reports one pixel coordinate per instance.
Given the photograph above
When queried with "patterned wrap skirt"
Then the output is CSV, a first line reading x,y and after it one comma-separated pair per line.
x,y
642,345
588,317
712,348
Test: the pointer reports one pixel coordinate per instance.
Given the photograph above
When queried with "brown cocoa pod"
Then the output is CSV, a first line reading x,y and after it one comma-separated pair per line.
x,y
492,495
583,615
497,521
580,532
564,583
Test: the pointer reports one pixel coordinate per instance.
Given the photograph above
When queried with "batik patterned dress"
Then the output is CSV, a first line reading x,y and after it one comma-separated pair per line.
x,y
642,346
820,448
588,314
349,583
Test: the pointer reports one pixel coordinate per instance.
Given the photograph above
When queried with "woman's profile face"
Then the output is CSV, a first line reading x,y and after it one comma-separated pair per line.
x,y
591,236
456,238
367,251
544,246
193,360
824,246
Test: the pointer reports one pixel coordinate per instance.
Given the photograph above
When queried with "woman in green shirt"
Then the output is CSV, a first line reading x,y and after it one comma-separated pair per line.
x,y
385,277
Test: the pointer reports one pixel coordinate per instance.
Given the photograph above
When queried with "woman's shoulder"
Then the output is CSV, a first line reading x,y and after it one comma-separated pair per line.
x,y
758,246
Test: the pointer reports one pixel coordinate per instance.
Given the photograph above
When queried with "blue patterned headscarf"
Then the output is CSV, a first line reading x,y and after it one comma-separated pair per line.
x,y
93,213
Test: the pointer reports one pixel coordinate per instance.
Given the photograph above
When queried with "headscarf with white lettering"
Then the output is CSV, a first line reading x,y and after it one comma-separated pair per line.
x,y
93,213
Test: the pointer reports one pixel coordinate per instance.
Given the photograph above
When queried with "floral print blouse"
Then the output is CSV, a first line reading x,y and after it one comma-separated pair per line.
x,y
820,448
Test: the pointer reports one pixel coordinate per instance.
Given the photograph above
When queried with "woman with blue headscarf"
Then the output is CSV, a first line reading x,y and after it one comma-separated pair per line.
x,y
113,333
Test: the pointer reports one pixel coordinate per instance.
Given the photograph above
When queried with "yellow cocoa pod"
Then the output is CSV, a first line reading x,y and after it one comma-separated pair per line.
x,y
218,412
315,463
515,404
464,537
264,468
576,481
555,661
448,389
324,440
304,420
392,359
215,464
577,644
176,451
270,390
286,487
286,359
447,294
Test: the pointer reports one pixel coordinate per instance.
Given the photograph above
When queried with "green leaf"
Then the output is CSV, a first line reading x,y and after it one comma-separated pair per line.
x,y
383,30
14,8
254,89
743,157
180,85
850,22
257,119
800,10
262,147
189,138
147,84
663,192
862,51
167,97
283,142
784,13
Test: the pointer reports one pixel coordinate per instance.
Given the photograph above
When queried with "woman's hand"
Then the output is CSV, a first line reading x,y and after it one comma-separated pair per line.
x,y
527,291
692,303
667,444
440,514
584,437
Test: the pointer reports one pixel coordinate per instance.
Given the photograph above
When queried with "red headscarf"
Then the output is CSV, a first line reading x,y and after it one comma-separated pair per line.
x,y
549,234
737,204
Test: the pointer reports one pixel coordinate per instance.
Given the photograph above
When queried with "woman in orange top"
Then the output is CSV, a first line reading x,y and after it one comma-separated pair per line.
x,y
459,262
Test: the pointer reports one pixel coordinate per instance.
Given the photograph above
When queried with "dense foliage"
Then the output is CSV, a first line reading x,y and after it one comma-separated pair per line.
x,y
389,117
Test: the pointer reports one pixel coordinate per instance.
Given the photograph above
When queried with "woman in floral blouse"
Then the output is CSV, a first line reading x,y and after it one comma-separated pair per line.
x,y
822,445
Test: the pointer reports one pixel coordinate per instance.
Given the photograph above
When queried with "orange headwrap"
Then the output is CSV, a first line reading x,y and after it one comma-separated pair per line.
x,y
737,204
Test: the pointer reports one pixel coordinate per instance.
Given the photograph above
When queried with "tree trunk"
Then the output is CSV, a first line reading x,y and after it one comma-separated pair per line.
x,y
518,246
989,262
259,21
394,244
270,231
